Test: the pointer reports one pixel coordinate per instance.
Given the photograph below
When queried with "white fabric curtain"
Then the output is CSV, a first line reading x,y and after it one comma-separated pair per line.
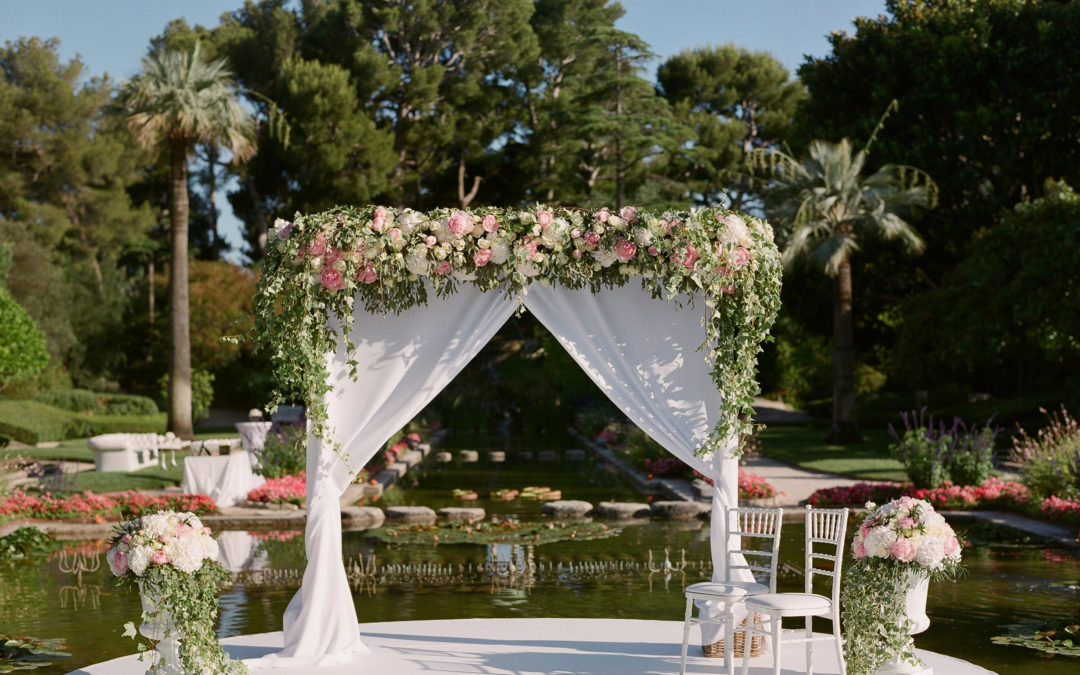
x,y
640,351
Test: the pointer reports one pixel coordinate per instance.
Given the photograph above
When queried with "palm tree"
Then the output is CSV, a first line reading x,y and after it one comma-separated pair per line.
x,y
827,207
180,99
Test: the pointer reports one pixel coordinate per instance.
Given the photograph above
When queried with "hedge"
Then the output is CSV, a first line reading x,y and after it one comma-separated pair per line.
x,y
33,422
86,401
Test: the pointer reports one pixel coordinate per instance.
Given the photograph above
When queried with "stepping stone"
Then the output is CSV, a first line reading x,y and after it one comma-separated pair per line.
x,y
574,455
361,517
468,455
370,490
566,508
443,457
548,456
623,510
701,489
400,468
465,513
424,448
496,456
412,458
676,510
524,455
410,514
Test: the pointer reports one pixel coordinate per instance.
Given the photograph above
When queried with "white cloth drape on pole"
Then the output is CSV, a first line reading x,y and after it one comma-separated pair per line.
x,y
639,350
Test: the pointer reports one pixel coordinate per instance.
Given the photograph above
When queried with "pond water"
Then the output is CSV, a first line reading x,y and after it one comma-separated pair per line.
x,y
72,595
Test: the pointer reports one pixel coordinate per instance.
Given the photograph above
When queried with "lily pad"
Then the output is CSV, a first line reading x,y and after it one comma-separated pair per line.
x,y
507,532
19,652
1060,638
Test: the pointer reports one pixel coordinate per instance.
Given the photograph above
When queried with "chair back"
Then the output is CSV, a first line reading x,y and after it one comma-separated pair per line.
x,y
827,528
754,523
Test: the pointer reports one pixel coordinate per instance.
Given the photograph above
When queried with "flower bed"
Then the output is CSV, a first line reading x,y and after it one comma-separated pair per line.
x,y
91,505
287,489
1067,510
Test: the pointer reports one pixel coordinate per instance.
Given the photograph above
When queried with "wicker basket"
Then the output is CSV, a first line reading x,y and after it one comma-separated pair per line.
x,y
716,649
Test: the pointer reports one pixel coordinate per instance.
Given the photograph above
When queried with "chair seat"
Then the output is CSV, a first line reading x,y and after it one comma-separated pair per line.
x,y
732,589
790,604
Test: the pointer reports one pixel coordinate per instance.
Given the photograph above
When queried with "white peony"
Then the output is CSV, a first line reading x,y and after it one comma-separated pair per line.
x,y
159,526
139,559
643,236
930,551
877,542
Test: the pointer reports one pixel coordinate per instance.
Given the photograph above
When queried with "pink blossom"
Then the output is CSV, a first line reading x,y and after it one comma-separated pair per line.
x,y
379,219
902,549
951,546
118,562
443,268
126,538
159,557
333,279
860,549
318,247
728,290
628,213
576,254
490,224
602,215
430,241
653,251
575,233
369,274
182,530
459,223
395,234
332,255
907,523
689,258
592,239
482,257
283,233
531,245
742,256
543,218
625,249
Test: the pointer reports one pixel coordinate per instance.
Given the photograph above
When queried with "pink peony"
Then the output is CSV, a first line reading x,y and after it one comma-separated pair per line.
x,y
625,249
742,256
576,254
159,558
902,549
689,258
118,562
430,241
602,215
459,223
333,279
490,224
443,268
628,213
482,257
653,251
544,218
317,248
332,255
592,239
379,219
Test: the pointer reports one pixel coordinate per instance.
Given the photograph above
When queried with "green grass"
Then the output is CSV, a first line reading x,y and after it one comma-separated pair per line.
x,y
32,422
150,478
803,445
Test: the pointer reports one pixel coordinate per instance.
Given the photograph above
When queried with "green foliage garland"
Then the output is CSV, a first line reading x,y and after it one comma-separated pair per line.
x,y
386,259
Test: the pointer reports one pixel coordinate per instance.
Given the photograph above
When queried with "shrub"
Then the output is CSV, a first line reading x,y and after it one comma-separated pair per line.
x,y
1062,509
202,392
931,456
31,422
86,401
992,492
22,344
285,450
1050,461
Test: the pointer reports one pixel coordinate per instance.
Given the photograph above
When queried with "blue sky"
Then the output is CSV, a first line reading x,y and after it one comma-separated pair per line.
x,y
111,36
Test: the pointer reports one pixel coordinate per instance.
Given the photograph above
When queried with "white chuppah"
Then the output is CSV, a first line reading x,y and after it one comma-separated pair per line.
x,y
641,351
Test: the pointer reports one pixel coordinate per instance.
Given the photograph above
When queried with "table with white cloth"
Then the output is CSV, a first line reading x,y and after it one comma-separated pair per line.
x,y
224,478
253,434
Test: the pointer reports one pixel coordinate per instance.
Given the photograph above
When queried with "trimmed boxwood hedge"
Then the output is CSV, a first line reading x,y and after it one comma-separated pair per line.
x,y
33,422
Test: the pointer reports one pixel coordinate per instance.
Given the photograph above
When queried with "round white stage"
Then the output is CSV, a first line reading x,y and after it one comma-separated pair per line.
x,y
530,647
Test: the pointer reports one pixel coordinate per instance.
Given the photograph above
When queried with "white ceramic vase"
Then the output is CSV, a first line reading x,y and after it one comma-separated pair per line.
x,y
165,659
915,605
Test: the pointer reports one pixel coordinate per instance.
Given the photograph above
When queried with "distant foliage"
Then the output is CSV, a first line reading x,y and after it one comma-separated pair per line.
x,y
86,401
932,455
22,344
285,450
1050,461
202,392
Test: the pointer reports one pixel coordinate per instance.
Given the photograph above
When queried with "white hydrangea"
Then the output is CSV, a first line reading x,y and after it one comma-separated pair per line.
x,y
417,262
930,552
528,269
500,251
186,553
877,542
736,231
159,526
210,546
139,559
461,275
643,236
606,256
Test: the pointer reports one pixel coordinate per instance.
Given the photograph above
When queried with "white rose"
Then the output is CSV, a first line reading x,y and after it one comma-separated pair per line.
x,y
643,236
929,552
500,251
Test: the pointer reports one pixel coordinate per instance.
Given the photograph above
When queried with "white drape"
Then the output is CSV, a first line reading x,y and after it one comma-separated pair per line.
x,y
640,351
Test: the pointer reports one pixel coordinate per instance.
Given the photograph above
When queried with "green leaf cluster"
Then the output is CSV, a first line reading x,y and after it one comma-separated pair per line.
x,y
22,344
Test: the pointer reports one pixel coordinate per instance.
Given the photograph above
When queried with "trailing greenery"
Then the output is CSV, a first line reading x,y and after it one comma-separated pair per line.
x,y
875,618
388,259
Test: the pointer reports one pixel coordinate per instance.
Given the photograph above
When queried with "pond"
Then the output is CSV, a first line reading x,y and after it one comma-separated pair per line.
x,y
72,595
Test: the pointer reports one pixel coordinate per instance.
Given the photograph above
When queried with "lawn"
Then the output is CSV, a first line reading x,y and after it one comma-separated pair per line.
x,y
803,444
150,478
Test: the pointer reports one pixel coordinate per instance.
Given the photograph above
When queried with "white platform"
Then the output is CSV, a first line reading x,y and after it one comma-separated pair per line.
x,y
528,647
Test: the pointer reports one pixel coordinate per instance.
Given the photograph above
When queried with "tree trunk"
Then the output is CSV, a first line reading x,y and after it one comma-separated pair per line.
x,y
618,130
465,198
180,332
211,193
845,428
261,227
150,294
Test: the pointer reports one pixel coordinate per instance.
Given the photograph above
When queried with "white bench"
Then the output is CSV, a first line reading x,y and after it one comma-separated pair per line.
x,y
124,452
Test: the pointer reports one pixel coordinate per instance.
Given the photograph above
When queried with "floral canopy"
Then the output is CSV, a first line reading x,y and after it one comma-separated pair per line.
x,y
344,308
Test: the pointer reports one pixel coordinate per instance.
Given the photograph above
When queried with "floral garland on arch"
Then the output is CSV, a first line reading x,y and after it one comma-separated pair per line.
x,y
319,263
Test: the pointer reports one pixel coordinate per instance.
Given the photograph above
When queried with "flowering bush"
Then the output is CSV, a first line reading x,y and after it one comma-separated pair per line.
x,y
290,489
753,486
857,494
90,505
933,455
992,492
1062,509
1051,460
894,545
386,259
171,556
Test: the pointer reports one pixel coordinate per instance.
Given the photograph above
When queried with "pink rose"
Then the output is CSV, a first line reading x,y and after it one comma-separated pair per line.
x,y
689,258
576,254
482,257
459,223
531,245
159,557
333,279
625,249
602,215
332,255
653,251
628,213
902,549
951,546
283,233
575,233
742,256
543,218
490,224
592,239
430,241
126,538
318,247
443,268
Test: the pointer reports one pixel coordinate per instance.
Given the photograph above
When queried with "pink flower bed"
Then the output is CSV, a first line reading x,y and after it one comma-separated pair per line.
x,y
291,489
1057,508
751,485
89,504
993,491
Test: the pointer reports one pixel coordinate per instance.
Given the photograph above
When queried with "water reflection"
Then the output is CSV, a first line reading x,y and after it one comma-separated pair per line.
x,y
75,561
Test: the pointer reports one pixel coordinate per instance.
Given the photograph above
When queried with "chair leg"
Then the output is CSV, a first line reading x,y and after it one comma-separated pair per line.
x,y
839,644
686,634
749,631
809,645
777,630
